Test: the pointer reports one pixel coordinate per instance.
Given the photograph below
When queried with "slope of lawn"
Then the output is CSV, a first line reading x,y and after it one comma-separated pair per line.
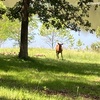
x,y
43,77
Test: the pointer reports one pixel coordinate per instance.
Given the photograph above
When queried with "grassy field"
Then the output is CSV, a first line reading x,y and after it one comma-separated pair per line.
x,y
43,77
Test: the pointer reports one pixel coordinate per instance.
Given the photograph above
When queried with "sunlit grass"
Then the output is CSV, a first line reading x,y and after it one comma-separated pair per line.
x,y
77,77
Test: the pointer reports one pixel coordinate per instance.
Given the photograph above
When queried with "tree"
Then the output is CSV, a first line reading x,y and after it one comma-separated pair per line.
x,y
4,29
66,37
98,32
16,30
24,30
11,29
79,43
51,35
71,41
2,12
96,46
54,35
2,8
71,16
87,48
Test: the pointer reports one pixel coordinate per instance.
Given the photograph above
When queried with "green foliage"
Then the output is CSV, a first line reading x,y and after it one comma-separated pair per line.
x,y
2,9
5,28
55,35
16,30
51,35
98,32
15,12
66,37
71,40
11,29
96,46
79,43
70,15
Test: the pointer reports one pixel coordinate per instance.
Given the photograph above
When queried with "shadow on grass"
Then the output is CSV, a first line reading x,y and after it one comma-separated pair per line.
x,y
56,86
15,64
3,98
11,63
62,87
66,66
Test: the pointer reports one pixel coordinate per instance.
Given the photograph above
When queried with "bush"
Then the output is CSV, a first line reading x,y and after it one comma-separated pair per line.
x,y
96,46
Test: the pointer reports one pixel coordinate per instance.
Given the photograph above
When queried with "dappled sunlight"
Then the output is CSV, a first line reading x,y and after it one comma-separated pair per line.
x,y
29,69
71,78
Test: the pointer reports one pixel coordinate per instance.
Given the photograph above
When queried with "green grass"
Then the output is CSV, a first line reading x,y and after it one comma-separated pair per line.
x,y
77,77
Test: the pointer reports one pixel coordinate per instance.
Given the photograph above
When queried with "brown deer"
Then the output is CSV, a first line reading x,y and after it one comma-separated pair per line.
x,y
59,50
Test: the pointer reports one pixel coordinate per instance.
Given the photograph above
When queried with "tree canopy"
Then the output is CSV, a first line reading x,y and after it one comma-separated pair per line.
x,y
70,16
54,35
2,8
98,32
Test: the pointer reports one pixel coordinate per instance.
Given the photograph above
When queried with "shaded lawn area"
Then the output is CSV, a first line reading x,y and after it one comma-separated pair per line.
x,y
51,76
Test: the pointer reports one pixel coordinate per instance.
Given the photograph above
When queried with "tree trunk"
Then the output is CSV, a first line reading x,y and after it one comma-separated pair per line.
x,y
24,30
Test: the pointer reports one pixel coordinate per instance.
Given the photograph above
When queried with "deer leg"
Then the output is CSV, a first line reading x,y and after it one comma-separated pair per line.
x,y
57,54
61,55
